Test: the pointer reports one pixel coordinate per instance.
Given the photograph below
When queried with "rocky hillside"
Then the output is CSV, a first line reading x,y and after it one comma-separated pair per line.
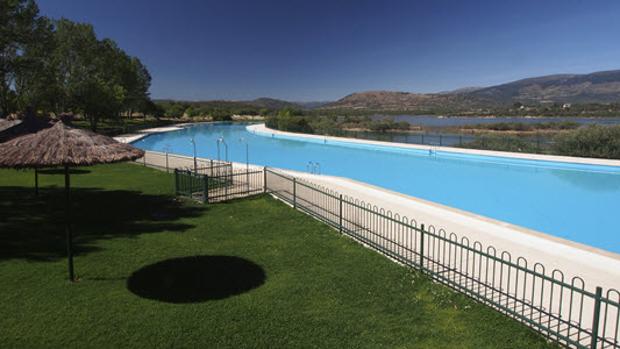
x,y
600,87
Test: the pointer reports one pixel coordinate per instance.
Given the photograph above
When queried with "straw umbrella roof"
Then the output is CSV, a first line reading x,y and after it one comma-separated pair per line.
x,y
16,128
61,145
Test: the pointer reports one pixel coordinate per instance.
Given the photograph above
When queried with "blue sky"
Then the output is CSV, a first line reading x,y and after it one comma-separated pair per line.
x,y
324,50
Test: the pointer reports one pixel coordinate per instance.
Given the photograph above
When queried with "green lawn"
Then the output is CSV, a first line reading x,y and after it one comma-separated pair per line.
x,y
268,276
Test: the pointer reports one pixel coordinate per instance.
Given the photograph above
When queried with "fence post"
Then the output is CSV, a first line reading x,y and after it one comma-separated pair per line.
x,y
596,316
422,246
144,159
265,179
167,169
227,183
205,178
440,140
294,192
36,181
460,140
176,181
340,223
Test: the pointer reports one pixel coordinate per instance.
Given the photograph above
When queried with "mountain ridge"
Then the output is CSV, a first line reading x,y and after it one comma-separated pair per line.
x,y
597,87
602,87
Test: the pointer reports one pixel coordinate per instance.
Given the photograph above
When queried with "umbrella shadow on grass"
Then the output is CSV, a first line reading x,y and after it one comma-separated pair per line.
x,y
32,227
61,171
196,279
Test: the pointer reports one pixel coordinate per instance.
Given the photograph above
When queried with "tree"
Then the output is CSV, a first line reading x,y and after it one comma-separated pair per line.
x,y
19,29
289,112
137,81
79,70
95,77
62,66
153,109
34,80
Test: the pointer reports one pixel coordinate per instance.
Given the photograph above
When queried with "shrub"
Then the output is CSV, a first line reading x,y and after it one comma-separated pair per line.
x,y
221,115
289,123
592,141
501,143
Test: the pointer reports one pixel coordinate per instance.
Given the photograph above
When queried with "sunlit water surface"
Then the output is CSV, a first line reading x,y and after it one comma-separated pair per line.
x,y
575,202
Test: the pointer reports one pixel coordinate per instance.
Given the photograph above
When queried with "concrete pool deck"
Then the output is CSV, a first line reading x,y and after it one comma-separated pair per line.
x,y
132,137
597,267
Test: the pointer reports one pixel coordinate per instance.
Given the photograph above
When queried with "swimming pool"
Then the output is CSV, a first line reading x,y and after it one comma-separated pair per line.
x,y
572,201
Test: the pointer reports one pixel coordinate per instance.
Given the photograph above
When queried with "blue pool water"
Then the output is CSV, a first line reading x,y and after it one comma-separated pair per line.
x,y
575,202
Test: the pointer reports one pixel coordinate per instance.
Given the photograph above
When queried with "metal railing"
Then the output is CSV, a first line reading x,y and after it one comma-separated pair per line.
x,y
221,186
561,309
215,168
169,162
536,142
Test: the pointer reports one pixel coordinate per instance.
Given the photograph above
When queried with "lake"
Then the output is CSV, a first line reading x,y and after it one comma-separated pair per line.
x,y
442,121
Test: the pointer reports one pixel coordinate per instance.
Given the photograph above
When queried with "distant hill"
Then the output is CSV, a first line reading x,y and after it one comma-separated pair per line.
x,y
461,90
252,106
599,87
312,105
271,103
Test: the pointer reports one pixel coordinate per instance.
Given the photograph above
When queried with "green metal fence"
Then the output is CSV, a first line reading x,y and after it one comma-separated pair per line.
x,y
562,309
224,184
190,184
168,162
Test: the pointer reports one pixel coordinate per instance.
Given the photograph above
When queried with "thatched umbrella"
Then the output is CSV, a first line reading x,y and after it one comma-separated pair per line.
x,y
63,146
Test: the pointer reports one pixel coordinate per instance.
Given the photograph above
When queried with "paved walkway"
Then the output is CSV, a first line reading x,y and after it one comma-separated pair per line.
x,y
132,137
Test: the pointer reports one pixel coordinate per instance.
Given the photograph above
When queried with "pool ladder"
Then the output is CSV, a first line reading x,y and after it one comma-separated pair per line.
x,y
313,167
432,151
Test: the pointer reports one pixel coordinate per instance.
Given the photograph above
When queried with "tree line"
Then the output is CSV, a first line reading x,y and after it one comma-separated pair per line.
x,y
217,110
60,66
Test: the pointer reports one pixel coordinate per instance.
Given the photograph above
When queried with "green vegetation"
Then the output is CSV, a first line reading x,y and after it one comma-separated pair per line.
x,y
299,283
218,110
591,141
588,141
330,125
59,66
223,110
289,120
503,143
524,127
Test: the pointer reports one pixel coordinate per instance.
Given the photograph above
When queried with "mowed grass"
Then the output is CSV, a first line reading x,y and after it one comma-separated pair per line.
x,y
306,286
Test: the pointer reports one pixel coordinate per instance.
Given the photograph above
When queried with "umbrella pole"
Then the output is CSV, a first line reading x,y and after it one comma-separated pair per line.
x,y
68,224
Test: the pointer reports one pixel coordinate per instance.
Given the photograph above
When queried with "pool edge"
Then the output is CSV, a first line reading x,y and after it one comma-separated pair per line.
x,y
263,130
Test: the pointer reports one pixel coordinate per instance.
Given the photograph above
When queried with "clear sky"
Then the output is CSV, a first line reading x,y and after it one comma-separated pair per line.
x,y
323,50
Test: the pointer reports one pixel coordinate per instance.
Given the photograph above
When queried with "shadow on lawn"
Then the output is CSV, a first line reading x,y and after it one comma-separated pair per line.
x,y
33,227
61,171
196,279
